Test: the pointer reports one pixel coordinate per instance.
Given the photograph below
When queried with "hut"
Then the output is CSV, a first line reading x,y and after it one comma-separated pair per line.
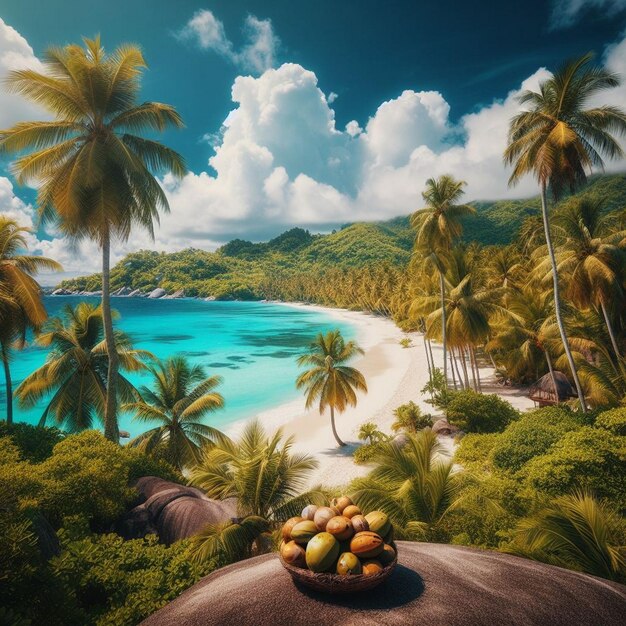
x,y
543,392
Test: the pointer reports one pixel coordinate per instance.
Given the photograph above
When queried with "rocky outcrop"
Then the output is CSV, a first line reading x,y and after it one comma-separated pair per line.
x,y
157,293
443,427
61,292
172,511
433,585
135,293
177,294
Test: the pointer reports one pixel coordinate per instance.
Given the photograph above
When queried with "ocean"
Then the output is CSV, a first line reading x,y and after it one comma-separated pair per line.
x,y
253,346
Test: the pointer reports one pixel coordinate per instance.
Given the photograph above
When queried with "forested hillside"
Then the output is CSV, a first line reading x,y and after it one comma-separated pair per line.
x,y
238,269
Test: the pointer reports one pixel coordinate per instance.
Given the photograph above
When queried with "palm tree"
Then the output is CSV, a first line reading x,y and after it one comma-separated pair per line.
x,y
575,531
370,432
183,395
328,381
438,225
414,484
592,258
264,476
557,140
93,170
21,294
75,371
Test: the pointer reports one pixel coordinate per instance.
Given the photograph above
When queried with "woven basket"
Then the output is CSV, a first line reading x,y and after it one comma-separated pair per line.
x,y
338,583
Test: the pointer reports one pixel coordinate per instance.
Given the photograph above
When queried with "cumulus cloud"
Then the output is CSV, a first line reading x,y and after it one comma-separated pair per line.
x,y
566,13
257,55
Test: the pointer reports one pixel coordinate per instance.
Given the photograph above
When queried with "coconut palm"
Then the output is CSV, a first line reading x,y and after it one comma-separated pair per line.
x,y
93,169
328,380
75,371
21,294
557,140
369,432
575,531
182,396
414,484
437,226
265,477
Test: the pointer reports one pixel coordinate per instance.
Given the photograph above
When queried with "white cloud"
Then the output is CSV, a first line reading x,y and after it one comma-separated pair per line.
x,y
332,96
566,13
257,55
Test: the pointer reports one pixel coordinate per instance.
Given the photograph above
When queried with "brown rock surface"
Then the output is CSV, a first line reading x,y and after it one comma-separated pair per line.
x,y
433,585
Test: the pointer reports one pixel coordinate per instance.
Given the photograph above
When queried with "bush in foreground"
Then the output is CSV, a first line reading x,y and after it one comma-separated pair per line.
x,y
475,412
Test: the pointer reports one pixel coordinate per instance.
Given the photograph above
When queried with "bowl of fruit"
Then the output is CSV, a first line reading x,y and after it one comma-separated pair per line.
x,y
338,549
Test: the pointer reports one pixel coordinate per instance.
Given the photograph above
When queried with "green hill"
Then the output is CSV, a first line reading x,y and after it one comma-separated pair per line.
x,y
237,269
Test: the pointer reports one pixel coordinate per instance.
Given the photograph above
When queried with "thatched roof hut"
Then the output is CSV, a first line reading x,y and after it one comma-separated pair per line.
x,y
543,391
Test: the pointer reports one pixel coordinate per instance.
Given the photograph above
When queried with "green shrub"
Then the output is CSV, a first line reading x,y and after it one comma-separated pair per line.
x,y
589,458
531,436
613,421
365,453
473,450
34,442
475,412
410,419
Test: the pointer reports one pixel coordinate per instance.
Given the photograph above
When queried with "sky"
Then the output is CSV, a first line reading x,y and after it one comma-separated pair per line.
x,y
313,113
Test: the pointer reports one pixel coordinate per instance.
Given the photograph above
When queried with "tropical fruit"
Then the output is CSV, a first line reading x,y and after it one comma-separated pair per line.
x,y
359,523
378,522
372,567
340,528
288,526
304,531
293,554
387,555
366,544
349,563
350,511
322,552
308,512
341,503
322,517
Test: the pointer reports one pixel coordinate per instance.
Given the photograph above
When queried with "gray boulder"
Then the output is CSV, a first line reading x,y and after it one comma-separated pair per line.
x,y
443,427
134,293
433,585
157,293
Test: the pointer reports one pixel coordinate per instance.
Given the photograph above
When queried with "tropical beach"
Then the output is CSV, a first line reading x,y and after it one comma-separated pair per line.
x,y
313,313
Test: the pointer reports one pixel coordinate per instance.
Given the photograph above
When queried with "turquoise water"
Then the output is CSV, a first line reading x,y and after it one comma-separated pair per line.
x,y
252,345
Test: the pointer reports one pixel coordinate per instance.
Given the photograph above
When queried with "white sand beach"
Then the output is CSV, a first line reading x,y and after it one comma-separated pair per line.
x,y
394,375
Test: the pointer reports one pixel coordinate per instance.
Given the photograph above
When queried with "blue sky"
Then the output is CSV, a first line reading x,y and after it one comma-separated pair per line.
x,y
341,109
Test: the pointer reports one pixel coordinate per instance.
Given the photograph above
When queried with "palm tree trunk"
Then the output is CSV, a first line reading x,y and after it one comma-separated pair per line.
x,y
111,427
452,368
464,364
430,370
557,298
609,327
442,288
553,377
470,355
475,368
332,423
430,351
455,360
9,387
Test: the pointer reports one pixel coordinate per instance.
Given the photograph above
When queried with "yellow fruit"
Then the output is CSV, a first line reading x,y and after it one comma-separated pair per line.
x,y
308,512
340,528
366,544
322,517
304,531
293,554
322,552
379,522
288,525
349,563
372,567
341,503
350,511
387,555
359,523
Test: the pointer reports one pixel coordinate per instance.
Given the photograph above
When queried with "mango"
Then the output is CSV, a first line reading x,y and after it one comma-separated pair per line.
x,y
387,555
293,554
340,528
349,563
322,516
304,531
372,567
308,512
287,527
366,544
350,511
322,552
378,522
359,523
341,503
